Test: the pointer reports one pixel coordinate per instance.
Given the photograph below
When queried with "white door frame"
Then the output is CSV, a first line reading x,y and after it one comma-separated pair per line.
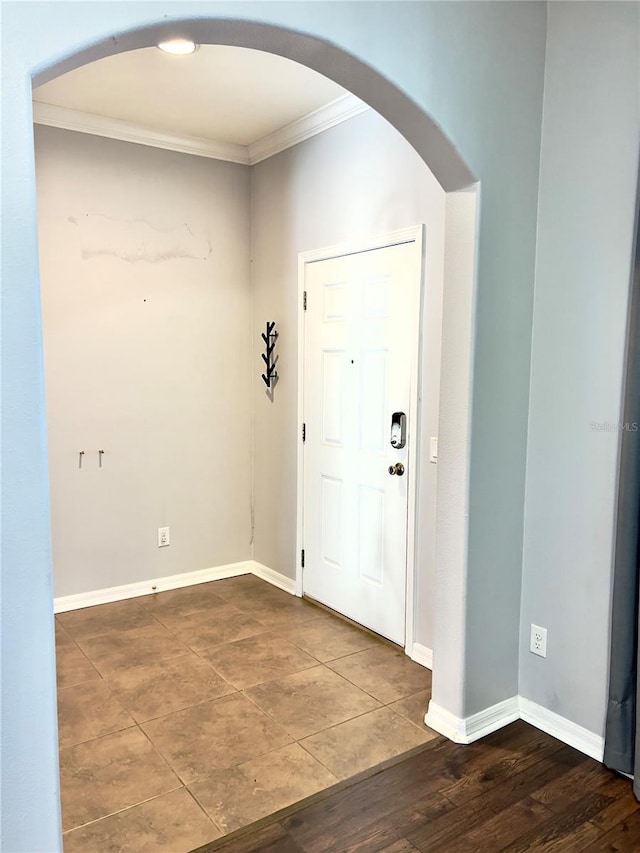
x,y
414,234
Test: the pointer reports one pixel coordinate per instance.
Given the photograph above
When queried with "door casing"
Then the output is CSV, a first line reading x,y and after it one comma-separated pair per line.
x,y
413,234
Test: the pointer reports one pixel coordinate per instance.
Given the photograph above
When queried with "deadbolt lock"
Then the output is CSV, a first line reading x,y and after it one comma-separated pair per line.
x,y
398,469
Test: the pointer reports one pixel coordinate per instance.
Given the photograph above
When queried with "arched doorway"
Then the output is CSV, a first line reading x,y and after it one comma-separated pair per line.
x,y
405,115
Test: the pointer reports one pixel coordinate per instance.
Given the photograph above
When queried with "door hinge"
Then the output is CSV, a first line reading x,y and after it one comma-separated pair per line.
x,y
304,301
304,432
302,558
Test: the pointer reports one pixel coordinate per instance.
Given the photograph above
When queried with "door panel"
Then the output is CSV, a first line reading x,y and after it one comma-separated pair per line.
x,y
359,344
331,520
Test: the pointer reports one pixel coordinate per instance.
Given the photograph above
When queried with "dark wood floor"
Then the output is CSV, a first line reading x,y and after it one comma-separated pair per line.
x,y
517,789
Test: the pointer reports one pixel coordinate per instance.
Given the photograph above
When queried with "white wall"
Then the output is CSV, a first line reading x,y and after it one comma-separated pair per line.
x,y
590,143
144,259
359,179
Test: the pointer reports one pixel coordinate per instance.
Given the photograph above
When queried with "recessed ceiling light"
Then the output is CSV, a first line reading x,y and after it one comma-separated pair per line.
x,y
178,47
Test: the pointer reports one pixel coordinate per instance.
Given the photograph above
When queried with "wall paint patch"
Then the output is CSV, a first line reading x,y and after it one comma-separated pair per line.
x,y
135,240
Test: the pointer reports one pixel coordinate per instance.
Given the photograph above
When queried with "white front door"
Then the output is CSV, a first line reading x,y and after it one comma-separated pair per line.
x,y
361,327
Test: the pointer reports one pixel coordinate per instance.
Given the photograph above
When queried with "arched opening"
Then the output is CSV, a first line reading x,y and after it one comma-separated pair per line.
x,y
362,80
451,172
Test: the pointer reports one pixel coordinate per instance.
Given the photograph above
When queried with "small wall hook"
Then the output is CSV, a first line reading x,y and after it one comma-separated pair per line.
x,y
100,455
80,455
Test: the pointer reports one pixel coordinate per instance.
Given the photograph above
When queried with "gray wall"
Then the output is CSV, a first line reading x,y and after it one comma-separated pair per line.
x,y
359,179
591,134
142,252
477,69
505,105
145,277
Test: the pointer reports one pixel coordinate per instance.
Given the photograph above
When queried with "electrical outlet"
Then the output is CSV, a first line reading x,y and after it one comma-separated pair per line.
x,y
538,641
164,538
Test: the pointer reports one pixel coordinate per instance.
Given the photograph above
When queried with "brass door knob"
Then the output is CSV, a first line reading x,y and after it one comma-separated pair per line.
x,y
398,469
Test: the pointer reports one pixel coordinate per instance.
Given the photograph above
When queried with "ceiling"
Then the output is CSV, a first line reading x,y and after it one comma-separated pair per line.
x,y
228,94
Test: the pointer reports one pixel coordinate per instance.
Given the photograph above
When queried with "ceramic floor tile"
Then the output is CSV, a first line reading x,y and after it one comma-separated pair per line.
x,y
73,666
88,711
171,823
311,701
105,618
156,689
255,660
63,639
214,735
225,625
384,672
109,774
258,787
119,649
281,614
181,602
245,587
236,751
364,742
330,638
413,707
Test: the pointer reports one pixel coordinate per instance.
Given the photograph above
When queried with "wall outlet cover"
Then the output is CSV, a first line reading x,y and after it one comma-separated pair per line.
x,y
538,641
164,537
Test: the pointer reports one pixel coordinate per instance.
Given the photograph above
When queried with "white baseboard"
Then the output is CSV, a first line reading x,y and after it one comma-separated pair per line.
x,y
559,727
444,722
273,577
422,655
469,729
133,590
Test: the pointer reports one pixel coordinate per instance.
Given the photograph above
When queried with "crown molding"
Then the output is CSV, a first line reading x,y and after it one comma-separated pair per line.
x,y
112,128
334,113
343,108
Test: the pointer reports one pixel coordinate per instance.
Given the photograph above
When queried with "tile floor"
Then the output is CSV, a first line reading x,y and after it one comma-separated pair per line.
x,y
190,713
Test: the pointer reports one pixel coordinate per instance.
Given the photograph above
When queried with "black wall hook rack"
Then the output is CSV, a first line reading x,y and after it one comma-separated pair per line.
x,y
269,337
